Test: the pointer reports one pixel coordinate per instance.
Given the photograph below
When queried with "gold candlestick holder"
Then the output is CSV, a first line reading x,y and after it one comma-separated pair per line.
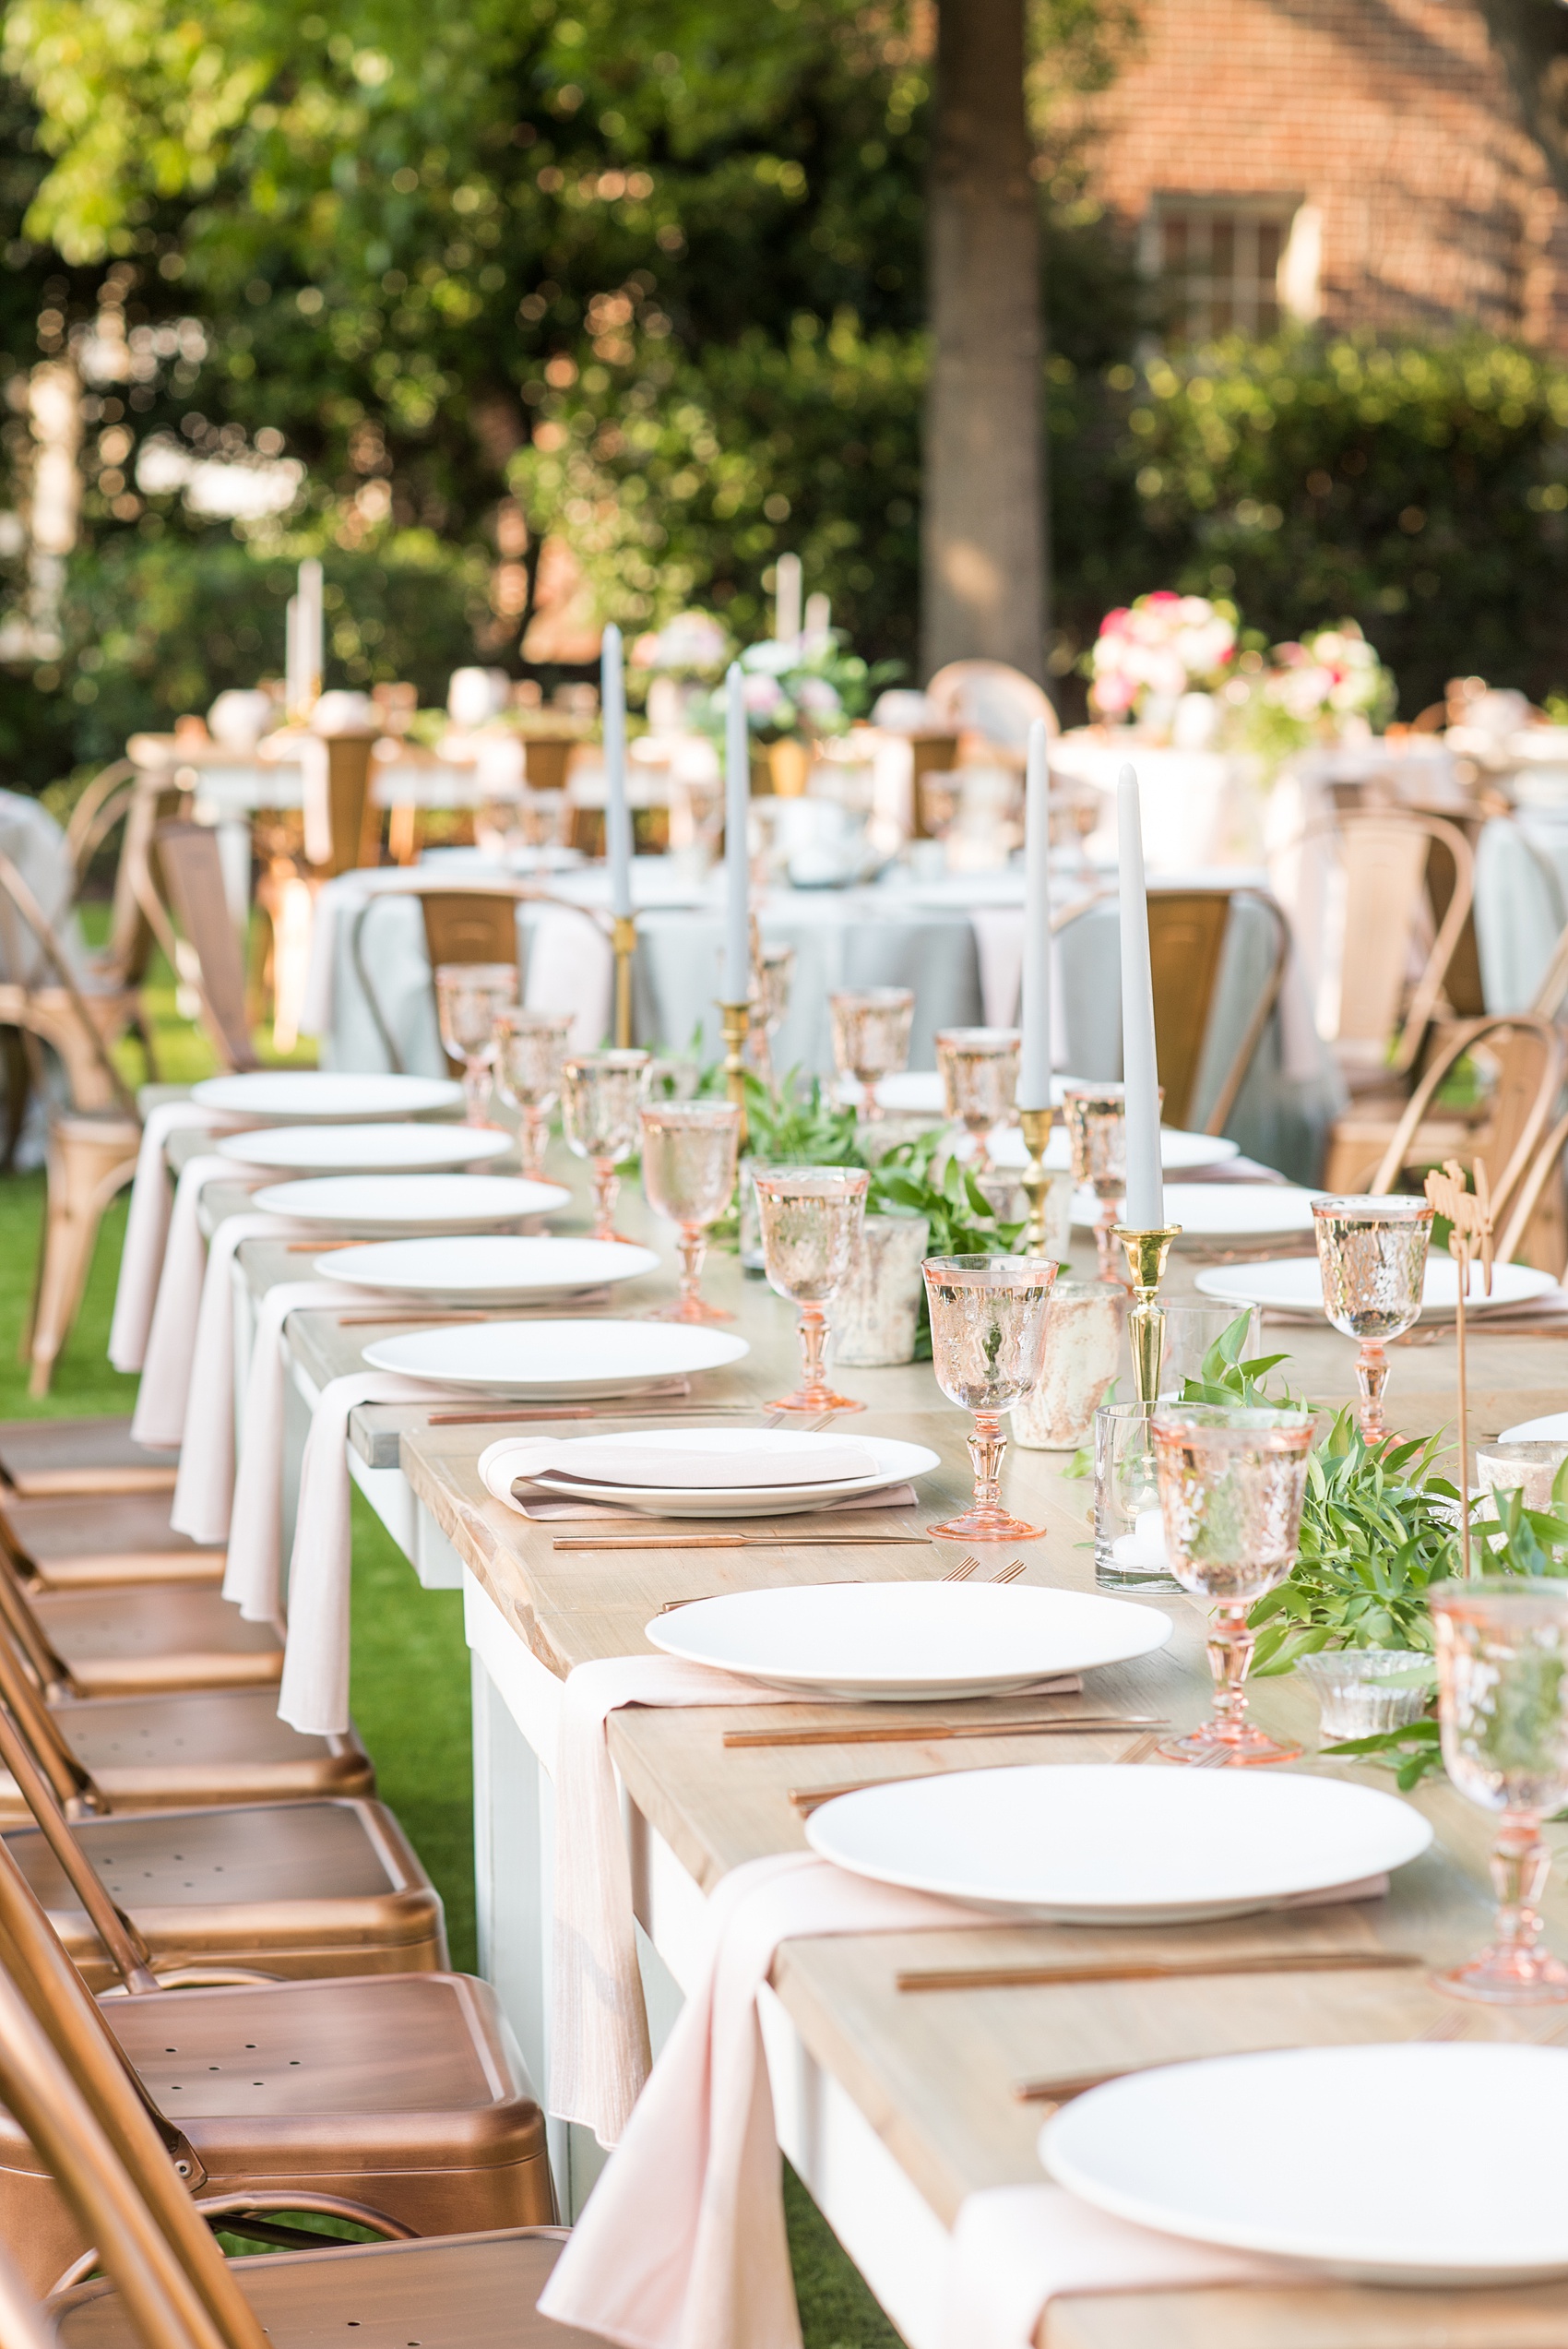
x,y
737,1018
1145,1253
623,945
1035,1124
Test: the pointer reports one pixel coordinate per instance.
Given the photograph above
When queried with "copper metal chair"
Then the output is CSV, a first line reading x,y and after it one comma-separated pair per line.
x,y
52,1459
131,1641
1400,868
190,867
90,1540
404,2092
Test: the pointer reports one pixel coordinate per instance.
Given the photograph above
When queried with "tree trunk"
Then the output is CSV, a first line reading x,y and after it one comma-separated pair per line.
x,y
983,559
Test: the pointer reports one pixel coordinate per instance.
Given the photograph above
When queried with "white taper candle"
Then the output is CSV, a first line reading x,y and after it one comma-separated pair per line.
x,y
617,814
1034,1059
737,864
1145,1209
787,600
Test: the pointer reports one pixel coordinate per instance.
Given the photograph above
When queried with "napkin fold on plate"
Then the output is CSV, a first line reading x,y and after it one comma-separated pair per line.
x,y
159,1415
147,1226
611,1461
204,1488
313,1698
534,1501
1016,2248
683,2244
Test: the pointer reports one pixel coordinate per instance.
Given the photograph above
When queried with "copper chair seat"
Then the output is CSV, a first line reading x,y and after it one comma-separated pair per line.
x,y
124,1642
461,2292
44,1457
405,2092
289,1890
93,1541
198,1746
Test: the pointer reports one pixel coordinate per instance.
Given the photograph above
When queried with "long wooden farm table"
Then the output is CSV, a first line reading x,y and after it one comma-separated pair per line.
x,y
895,2104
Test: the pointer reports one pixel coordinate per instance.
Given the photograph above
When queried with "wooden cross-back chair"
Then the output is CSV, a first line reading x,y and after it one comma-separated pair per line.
x,y
167,2284
1403,871
429,2124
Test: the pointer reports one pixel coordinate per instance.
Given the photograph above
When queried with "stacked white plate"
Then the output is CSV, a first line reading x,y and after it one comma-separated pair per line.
x,y
1179,1151
369,1149
1103,1845
335,1096
1222,1211
1312,2155
412,1203
911,1641
588,1471
500,1268
1294,1285
556,1361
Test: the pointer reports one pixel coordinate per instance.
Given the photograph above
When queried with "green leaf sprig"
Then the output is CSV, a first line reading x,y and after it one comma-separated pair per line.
x,y
962,1220
789,1125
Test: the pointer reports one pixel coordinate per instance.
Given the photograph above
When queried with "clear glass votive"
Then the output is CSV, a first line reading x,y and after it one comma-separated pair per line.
x,y
600,1096
529,1049
1362,1692
811,1220
1129,1530
1503,1704
871,1036
987,1344
1232,1484
980,1076
467,997
1372,1254
688,1156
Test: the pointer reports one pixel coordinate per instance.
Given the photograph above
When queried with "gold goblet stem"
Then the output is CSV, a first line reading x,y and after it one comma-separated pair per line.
x,y
737,1018
1036,1127
623,943
1146,1252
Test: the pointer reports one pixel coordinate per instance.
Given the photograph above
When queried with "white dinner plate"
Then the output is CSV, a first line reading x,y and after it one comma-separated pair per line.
x,y
1179,1151
1554,1429
1222,1211
895,1464
497,1268
369,1149
1101,1844
333,1096
1293,1285
909,1640
1309,2154
412,1203
550,1358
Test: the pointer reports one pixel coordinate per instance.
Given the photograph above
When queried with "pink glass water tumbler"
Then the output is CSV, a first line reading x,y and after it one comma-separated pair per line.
x,y
1502,1707
811,1219
987,1332
688,1154
1232,1484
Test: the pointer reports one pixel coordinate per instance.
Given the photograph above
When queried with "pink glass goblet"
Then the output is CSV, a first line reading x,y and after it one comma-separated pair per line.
x,y
1503,1706
1096,1119
688,1151
1231,1482
871,1037
1371,1257
811,1219
979,1077
988,1323
529,1049
467,997
601,1094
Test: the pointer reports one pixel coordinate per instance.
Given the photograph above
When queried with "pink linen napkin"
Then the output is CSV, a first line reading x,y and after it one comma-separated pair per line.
x,y
252,1576
1016,2248
159,1415
683,2244
314,1695
147,1226
204,1489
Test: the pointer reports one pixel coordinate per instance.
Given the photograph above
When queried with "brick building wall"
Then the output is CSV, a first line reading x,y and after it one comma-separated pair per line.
x,y
1422,202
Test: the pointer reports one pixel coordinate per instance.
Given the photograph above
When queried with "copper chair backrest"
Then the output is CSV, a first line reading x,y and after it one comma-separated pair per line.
x,y
138,923
1530,1073
469,925
20,913
1186,940
1397,862
192,869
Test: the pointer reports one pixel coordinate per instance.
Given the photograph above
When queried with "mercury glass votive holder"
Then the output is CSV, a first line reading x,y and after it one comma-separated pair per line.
x,y
811,1219
529,1049
467,997
1529,1468
871,1036
988,1320
600,1096
1502,1707
688,1157
1362,1692
1372,1255
1232,1484
979,1077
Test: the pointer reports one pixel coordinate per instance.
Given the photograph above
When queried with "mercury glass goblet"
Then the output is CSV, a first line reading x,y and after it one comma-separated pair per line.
x,y
468,996
979,1077
1231,1482
529,1048
689,1150
988,1317
600,1093
811,1219
773,977
1503,1704
1096,1119
1372,1256
871,1036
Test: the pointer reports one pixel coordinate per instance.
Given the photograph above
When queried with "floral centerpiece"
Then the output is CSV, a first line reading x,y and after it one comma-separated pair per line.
x,y
796,691
1153,653
694,644
1329,685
